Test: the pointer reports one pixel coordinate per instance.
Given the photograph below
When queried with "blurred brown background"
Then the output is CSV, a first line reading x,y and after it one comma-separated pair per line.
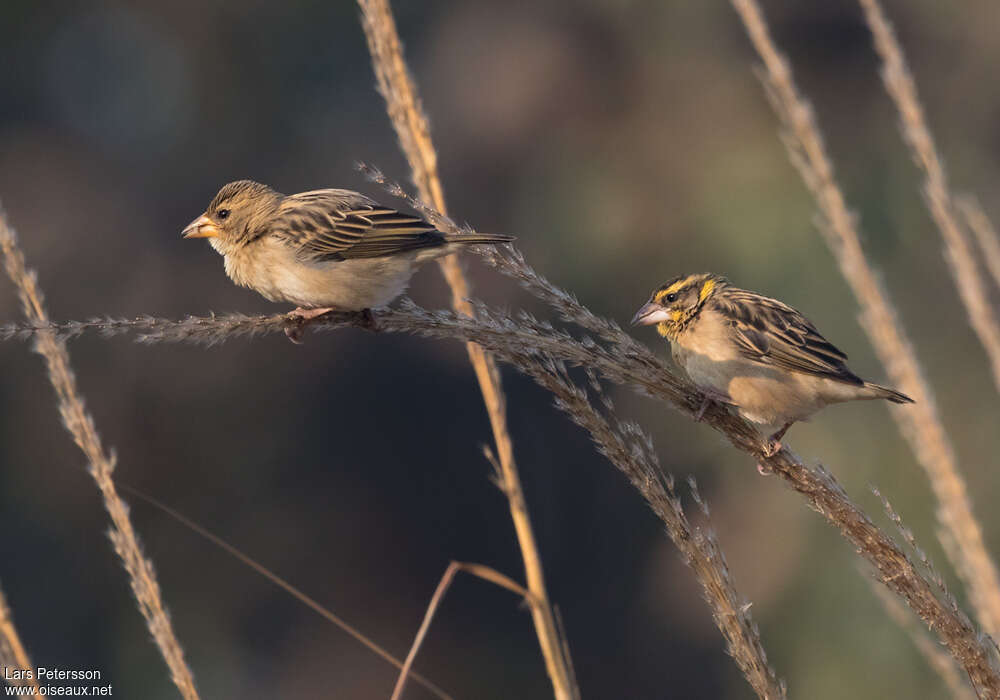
x,y
623,143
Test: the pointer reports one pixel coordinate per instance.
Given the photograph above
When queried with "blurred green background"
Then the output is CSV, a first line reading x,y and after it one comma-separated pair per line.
x,y
623,143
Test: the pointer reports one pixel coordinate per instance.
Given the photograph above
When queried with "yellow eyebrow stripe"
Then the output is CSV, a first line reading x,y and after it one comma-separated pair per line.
x,y
706,289
676,286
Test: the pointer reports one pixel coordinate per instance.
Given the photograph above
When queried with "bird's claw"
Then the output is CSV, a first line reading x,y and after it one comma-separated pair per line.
x,y
772,447
368,321
298,319
293,329
709,396
701,410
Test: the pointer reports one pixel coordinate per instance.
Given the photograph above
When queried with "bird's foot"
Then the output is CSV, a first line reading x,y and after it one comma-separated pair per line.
x,y
774,442
294,332
368,321
772,447
701,411
708,396
310,314
299,319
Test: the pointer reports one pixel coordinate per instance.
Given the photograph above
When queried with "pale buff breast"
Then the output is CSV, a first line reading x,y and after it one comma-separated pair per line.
x,y
761,394
272,268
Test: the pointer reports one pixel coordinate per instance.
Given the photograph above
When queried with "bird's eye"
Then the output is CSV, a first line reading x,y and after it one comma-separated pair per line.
x,y
222,213
671,297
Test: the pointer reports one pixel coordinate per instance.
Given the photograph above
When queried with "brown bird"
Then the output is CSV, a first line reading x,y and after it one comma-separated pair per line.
x,y
754,353
322,250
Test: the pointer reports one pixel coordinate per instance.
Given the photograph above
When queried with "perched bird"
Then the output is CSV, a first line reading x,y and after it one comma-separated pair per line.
x,y
752,352
323,250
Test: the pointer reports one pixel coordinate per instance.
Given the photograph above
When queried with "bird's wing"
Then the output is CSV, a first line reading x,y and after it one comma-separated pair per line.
x,y
773,333
325,225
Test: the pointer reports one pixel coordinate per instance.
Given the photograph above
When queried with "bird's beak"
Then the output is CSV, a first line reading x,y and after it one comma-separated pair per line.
x,y
649,314
202,227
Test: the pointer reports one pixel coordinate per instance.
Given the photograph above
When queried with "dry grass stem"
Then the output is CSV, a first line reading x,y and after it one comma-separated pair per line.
x,y
911,540
631,450
12,653
550,355
942,663
985,233
483,572
919,423
413,131
81,426
620,359
972,287
281,583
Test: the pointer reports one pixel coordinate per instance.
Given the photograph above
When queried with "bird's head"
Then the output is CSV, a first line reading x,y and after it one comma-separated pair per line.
x,y
235,216
673,304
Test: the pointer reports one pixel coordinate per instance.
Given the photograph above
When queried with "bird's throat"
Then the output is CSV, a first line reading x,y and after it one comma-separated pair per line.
x,y
678,322
668,329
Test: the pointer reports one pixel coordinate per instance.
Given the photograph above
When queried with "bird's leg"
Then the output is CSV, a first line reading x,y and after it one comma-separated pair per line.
x,y
705,401
774,442
300,318
310,314
708,396
772,448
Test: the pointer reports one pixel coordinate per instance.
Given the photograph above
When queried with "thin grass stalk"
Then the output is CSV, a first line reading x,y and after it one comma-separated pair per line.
x,y
484,572
413,131
985,233
625,362
940,661
81,426
12,653
284,585
943,664
959,252
919,423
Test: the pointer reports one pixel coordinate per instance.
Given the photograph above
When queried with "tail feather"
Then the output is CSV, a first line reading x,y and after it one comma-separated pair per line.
x,y
478,238
883,392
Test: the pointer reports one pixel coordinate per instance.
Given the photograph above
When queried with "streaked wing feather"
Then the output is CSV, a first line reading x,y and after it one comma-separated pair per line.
x,y
326,225
773,333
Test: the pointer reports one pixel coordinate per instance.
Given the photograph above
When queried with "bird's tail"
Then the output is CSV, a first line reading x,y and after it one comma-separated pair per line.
x,y
883,392
477,238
